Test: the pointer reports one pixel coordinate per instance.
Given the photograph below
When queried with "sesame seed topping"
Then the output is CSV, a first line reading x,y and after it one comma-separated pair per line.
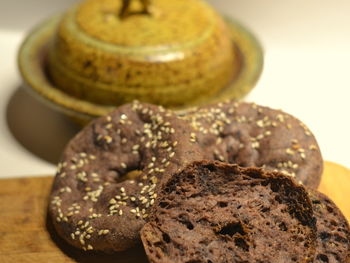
x,y
289,151
108,139
312,147
255,144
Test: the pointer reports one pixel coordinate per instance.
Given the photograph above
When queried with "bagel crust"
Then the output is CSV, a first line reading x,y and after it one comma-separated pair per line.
x,y
251,135
108,176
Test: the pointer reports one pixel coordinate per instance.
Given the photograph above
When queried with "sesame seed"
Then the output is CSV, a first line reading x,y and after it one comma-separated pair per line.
x,y
260,136
109,126
108,139
280,117
313,147
135,147
289,151
260,123
255,145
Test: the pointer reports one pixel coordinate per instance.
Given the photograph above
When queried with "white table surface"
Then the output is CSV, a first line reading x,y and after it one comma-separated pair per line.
x,y
306,73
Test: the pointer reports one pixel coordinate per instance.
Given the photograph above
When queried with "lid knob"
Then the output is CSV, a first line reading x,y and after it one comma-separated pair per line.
x,y
126,11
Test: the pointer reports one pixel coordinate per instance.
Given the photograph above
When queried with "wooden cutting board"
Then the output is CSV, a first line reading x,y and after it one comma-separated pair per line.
x,y
27,236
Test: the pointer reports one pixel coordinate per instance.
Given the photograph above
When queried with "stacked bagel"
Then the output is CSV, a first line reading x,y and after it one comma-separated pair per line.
x,y
229,182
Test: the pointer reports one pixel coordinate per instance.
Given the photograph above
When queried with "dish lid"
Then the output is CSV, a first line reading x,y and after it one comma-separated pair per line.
x,y
168,52
146,24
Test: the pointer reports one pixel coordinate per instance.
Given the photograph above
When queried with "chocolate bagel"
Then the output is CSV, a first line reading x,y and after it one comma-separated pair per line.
x,y
108,175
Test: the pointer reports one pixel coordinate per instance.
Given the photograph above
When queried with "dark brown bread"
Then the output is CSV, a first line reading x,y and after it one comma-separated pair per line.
x,y
251,135
333,232
216,212
108,176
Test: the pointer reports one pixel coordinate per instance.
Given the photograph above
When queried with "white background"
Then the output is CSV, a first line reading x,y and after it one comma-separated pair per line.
x,y
306,73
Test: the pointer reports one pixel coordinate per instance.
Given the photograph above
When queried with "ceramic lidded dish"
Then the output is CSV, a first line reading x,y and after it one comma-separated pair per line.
x,y
103,53
173,54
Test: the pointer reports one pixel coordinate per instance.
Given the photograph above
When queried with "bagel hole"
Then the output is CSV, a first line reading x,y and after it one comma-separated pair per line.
x,y
324,236
166,238
283,226
231,229
183,219
241,243
130,174
322,257
222,204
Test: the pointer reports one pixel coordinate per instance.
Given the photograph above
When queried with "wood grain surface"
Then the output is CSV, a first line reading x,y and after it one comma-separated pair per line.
x,y
27,236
